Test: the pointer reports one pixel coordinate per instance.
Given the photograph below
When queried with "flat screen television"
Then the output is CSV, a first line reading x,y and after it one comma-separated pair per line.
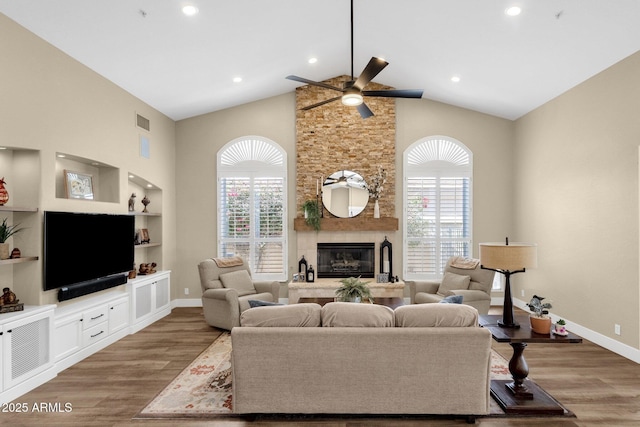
x,y
83,248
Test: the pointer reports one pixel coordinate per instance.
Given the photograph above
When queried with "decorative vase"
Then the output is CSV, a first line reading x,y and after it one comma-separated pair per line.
x,y
540,325
376,210
560,329
4,194
4,251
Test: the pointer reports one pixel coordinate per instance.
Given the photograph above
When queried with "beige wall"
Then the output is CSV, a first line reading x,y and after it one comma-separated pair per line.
x,y
51,103
576,174
198,141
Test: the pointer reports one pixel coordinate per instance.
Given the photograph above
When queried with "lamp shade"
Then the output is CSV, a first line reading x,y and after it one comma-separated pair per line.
x,y
508,257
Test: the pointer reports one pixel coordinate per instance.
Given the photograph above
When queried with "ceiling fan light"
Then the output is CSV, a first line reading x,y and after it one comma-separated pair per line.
x,y
352,99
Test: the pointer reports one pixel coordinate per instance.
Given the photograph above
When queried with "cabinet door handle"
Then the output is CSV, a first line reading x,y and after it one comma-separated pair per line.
x,y
93,336
9,331
97,317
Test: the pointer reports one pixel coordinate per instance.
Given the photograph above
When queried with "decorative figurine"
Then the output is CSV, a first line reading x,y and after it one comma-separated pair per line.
x,y
4,194
133,273
8,297
145,202
147,268
132,200
15,253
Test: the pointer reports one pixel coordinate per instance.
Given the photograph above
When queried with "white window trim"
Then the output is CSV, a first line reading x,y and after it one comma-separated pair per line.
x,y
253,157
445,163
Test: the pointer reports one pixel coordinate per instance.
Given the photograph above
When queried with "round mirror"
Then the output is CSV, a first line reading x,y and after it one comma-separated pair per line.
x,y
345,194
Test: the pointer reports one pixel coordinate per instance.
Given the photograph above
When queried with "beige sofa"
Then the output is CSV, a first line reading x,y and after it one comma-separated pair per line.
x,y
347,358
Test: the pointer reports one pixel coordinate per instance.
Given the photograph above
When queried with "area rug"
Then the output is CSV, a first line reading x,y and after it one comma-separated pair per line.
x,y
203,389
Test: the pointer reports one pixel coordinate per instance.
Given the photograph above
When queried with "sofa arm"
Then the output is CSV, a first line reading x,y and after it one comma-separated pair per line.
x,y
272,287
222,294
415,286
469,295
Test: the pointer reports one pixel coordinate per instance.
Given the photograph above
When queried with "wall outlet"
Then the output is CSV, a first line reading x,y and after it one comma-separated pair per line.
x,y
186,291
522,293
616,329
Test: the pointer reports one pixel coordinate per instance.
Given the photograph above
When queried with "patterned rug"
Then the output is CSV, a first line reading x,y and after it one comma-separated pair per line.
x,y
203,389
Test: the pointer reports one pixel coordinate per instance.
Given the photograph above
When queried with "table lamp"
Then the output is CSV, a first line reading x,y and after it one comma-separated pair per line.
x,y
508,259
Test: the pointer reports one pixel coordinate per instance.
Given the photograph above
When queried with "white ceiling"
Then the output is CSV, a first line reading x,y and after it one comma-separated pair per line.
x,y
184,66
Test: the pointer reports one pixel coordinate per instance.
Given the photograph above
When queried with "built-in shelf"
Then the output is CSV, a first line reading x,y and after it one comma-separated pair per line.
x,y
17,209
147,245
145,213
18,260
349,224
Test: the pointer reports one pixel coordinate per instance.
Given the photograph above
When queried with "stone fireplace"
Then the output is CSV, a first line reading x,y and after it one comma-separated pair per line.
x,y
345,260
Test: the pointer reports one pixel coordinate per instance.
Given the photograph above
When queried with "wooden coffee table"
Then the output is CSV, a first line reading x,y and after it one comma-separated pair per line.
x,y
391,302
522,395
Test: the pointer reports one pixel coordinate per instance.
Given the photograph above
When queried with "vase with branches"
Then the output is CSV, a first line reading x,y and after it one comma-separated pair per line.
x,y
375,187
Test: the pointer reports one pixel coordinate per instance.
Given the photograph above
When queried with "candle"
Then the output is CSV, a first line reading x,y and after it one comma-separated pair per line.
x,y
385,267
316,187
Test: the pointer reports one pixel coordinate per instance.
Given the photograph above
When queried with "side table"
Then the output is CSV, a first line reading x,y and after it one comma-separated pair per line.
x,y
523,396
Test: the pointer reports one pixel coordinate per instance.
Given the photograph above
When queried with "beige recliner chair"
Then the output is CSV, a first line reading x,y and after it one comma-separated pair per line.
x,y
227,287
473,283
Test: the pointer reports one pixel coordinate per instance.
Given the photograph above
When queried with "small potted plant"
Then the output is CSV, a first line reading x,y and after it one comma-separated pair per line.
x,y
539,319
354,290
6,231
311,211
560,327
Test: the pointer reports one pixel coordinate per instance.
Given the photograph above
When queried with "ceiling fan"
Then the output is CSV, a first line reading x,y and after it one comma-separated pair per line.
x,y
353,90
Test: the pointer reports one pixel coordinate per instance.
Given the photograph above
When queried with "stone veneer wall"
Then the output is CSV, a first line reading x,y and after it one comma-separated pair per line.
x,y
334,137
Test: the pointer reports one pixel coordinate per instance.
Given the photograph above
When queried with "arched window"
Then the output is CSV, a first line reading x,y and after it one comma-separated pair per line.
x,y
437,205
252,201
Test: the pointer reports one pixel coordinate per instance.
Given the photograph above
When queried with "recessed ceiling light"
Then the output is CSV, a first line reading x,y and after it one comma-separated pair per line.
x,y
237,79
313,60
190,10
149,186
455,79
513,11
61,156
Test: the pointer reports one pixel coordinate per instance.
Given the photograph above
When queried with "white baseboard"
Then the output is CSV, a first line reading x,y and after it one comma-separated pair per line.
x,y
190,302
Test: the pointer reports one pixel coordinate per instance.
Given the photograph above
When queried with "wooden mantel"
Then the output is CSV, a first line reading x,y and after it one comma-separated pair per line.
x,y
350,224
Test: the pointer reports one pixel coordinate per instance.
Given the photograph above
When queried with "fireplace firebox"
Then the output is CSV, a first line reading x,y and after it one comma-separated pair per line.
x,y
345,260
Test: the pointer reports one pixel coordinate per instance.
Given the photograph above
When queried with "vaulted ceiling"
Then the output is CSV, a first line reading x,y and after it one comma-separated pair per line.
x,y
185,65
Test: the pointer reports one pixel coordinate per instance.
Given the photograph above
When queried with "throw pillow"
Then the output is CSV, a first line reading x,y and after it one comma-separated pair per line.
x,y
451,282
257,303
238,279
451,299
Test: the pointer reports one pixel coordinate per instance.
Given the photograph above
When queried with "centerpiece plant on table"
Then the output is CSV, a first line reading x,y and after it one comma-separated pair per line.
x,y
354,290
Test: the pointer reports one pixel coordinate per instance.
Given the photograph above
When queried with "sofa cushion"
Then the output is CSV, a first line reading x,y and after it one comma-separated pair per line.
x,y
451,299
239,279
451,282
351,314
436,315
477,286
293,315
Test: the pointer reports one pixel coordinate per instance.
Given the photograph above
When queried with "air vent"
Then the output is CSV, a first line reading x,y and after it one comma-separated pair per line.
x,y
143,122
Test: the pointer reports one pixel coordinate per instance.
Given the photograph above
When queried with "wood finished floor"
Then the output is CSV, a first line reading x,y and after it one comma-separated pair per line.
x,y
110,387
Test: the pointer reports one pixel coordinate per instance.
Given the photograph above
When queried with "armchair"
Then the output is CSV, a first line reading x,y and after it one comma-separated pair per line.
x,y
227,287
474,284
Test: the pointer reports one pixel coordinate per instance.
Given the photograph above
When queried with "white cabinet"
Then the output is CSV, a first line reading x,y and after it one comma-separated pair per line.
x,y
25,350
150,299
84,327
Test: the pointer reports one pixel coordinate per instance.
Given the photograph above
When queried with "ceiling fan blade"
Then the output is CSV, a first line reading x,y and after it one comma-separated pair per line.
x,y
364,111
311,82
326,101
372,69
394,93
